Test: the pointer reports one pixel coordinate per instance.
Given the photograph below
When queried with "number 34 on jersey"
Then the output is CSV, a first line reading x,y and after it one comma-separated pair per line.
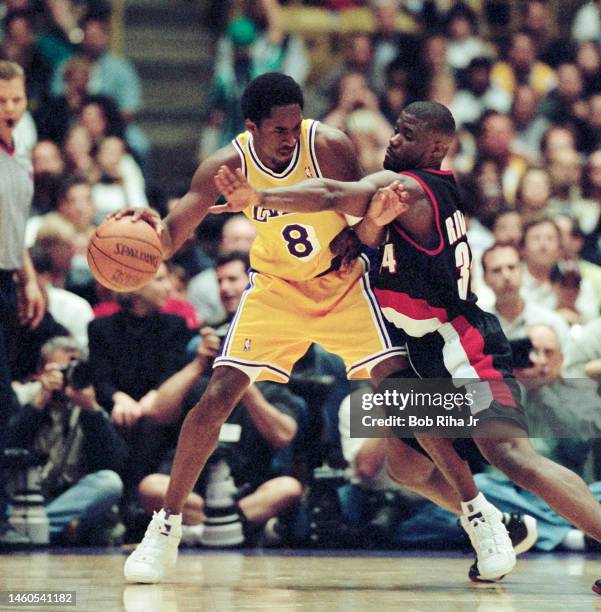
x,y
456,230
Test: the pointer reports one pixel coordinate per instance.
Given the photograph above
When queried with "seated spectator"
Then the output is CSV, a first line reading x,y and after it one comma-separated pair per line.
x,y
508,226
529,124
464,42
58,237
370,133
238,234
132,352
48,174
353,93
78,148
583,357
20,46
533,193
495,133
565,280
54,118
112,76
565,103
522,66
503,274
357,58
175,304
588,59
74,203
541,252
68,309
389,44
64,421
572,243
564,416
478,94
565,168
121,184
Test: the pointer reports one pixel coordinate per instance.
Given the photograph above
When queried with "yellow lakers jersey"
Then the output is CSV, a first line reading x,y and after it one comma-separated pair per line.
x,y
292,246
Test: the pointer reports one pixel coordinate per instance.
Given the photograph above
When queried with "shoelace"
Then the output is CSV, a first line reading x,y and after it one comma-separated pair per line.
x,y
150,544
491,539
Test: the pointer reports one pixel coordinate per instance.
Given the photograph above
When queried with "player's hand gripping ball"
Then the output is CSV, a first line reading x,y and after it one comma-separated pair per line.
x,y
124,255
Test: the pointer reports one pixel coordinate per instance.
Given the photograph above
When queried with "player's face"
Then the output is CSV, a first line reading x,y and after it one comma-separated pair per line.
x,y
233,279
276,137
503,271
13,102
409,146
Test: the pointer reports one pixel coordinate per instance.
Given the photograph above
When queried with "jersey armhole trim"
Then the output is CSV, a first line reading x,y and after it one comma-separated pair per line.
x,y
312,151
238,148
434,203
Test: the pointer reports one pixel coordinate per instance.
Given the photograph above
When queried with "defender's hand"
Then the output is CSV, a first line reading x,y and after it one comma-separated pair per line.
x,y
149,215
347,246
387,204
236,189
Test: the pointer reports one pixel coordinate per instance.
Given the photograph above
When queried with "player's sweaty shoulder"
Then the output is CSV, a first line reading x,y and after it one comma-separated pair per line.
x,y
336,154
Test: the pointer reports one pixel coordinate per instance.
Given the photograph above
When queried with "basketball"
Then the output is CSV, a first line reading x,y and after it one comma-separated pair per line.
x,y
124,255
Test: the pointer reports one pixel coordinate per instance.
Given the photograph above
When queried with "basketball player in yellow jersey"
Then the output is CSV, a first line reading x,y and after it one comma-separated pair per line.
x,y
296,296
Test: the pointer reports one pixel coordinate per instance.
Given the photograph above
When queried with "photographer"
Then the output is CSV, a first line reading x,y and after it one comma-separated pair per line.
x,y
564,415
64,421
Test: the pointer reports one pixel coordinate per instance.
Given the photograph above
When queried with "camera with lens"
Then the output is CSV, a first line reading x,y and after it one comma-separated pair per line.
x,y
77,374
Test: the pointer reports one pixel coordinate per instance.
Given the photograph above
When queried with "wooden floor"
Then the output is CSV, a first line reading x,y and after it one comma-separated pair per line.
x,y
287,582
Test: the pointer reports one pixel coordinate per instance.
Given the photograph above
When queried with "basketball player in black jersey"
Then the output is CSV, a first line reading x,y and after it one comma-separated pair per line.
x,y
412,211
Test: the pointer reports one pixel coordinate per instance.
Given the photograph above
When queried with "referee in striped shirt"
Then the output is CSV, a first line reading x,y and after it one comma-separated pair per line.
x,y
21,300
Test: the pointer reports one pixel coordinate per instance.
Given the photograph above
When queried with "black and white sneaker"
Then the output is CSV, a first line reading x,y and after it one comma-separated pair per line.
x,y
522,533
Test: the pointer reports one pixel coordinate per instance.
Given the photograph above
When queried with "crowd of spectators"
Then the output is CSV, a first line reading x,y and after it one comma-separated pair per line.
x,y
524,85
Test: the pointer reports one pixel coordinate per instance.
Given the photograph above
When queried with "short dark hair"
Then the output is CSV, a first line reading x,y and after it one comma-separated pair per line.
x,y
437,117
269,90
230,256
539,221
68,184
494,247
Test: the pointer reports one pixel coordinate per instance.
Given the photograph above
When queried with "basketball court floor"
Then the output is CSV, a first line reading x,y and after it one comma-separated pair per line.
x,y
291,581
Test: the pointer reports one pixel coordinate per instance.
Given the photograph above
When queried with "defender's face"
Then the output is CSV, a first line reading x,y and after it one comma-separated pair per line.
x,y
408,146
276,136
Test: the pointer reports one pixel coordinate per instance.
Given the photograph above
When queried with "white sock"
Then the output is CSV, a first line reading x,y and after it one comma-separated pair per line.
x,y
477,504
574,540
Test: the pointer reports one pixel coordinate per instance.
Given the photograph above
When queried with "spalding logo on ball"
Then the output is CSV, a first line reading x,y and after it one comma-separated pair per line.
x,y
124,255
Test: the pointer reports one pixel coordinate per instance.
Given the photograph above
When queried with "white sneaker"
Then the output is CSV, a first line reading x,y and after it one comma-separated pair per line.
x,y
157,552
491,542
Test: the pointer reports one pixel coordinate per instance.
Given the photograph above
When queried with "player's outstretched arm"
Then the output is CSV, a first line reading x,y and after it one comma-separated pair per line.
x,y
313,195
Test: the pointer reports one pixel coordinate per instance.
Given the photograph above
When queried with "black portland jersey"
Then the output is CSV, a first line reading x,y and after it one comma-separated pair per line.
x,y
421,289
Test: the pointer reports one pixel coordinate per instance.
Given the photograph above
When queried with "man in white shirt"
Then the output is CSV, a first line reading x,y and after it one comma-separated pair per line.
x,y
541,251
503,274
